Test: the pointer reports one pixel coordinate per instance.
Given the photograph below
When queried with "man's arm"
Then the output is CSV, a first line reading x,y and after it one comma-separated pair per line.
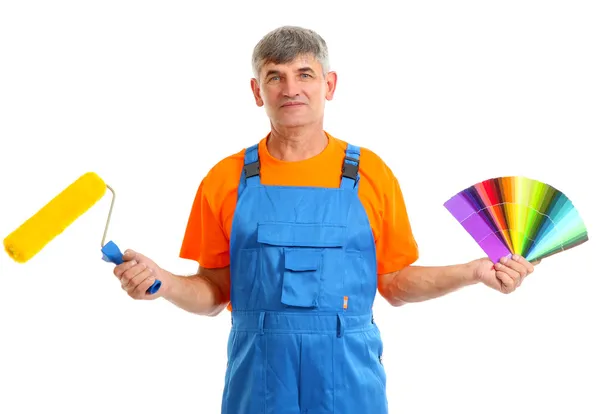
x,y
205,293
418,283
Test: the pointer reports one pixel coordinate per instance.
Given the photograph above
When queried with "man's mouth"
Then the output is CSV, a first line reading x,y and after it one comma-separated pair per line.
x,y
293,104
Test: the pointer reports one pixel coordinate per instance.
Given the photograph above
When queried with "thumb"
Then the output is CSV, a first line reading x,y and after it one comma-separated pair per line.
x,y
129,255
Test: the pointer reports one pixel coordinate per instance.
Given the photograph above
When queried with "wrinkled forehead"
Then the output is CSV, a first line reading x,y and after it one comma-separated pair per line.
x,y
303,63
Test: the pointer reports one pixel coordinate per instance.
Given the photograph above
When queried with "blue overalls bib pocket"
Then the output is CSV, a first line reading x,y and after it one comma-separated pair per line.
x,y
301,284
300,249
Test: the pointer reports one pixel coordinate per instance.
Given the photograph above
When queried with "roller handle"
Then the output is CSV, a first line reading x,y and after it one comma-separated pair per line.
x,y
112,253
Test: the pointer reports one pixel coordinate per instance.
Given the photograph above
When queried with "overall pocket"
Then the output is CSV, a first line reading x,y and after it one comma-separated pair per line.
x,y
301,283
299,253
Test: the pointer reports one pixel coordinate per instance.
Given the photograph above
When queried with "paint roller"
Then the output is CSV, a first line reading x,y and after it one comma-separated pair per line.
x,y
52,219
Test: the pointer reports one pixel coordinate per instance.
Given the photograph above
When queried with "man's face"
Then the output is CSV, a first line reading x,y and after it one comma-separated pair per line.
x,y
294,93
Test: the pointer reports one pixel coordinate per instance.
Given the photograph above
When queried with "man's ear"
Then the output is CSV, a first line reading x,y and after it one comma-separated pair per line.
x,y
331,80
256,92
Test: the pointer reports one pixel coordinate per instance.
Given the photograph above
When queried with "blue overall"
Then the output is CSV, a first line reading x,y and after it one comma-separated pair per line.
x,y
303,281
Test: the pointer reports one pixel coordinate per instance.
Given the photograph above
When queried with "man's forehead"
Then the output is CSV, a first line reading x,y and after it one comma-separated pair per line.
x,y
302,61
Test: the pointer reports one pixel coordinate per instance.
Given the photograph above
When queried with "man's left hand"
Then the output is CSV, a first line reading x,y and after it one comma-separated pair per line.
x,y
505,276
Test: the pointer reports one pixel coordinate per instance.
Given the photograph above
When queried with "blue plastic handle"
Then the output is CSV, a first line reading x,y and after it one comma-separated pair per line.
x,y
111,253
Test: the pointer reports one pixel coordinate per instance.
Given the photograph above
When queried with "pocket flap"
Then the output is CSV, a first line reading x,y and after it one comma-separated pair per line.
x,y
302,259
301,234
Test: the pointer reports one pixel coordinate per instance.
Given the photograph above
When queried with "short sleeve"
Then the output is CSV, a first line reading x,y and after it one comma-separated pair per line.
x,y
205,240
396,245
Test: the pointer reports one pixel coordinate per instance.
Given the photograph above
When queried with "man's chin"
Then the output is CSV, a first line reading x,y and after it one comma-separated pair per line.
x,y
293,122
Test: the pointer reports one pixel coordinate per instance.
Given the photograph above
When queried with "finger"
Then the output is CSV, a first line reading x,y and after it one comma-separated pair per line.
x,y
140,290
130,275
508,283
507,267
123,267
517,271
129,255
136,256
134,286
515,266
523,262
511,273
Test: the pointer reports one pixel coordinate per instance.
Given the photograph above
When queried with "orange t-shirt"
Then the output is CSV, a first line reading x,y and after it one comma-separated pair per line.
x,y
206,238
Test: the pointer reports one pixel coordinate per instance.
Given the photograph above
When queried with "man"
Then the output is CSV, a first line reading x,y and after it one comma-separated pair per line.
x,y
297,234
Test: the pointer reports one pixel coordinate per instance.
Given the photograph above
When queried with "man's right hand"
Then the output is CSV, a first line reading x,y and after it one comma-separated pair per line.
x,y
205,293
137,273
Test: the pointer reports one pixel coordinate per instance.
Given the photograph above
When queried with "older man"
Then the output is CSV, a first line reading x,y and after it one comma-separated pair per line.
x,y
297,233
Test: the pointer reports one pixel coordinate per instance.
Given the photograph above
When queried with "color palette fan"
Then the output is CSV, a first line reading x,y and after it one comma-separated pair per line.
x,y
518,215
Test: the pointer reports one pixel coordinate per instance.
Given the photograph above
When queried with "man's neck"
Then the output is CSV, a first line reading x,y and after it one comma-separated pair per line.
x,y
296,144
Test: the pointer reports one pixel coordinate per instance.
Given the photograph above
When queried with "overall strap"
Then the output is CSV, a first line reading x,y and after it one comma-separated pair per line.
x,y
251,171
350,175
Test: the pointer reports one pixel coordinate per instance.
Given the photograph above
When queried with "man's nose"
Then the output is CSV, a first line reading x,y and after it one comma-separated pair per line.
x,y
291,87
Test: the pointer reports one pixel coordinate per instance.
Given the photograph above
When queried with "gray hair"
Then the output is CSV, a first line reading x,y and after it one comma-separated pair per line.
x,y
285,43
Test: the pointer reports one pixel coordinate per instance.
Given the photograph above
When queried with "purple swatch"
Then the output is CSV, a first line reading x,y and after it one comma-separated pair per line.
x,y
476,224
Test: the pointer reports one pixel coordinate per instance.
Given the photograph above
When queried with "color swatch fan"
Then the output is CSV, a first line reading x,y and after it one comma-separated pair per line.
x,y
518,215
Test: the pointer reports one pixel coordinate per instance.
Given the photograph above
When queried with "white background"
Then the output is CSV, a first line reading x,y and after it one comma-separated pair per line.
x,y
151,94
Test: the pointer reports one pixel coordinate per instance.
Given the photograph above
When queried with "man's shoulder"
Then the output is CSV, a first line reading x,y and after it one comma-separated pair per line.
x,y
372,159
227,166
371,163
231,164
366,152
223,177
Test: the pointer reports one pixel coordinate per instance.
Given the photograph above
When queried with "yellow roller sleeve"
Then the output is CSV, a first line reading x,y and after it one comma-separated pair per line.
x,y
52,219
